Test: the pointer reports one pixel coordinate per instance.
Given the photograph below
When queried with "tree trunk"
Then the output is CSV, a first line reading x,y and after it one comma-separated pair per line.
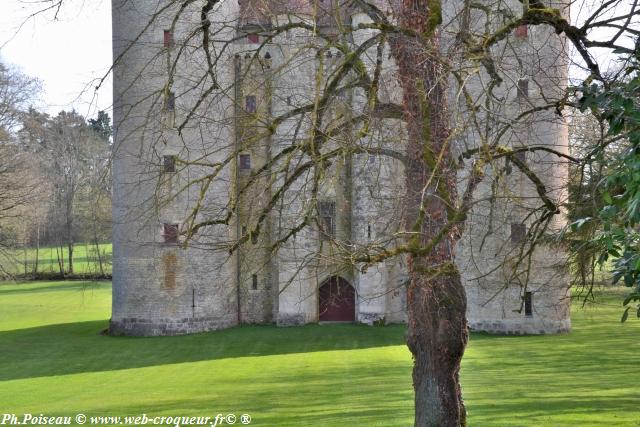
x,y
35,265
437,329
60,254
97,245
70,250
69,226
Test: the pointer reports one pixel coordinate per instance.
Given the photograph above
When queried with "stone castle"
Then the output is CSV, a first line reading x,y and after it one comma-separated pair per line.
x,y
208,180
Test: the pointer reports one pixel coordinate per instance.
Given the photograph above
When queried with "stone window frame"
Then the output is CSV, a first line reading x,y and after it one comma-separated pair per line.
x,y
522,31
528,303
250,104
169,109
169,163
244,161
522,87
521,154
170,233
518,232
168,39
327,217
170,101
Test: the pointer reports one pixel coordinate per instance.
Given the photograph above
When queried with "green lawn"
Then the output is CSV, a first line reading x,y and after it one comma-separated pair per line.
x,y
85,259
53,360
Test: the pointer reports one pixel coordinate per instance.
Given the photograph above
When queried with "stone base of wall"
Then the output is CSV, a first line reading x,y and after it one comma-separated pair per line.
x,y
371,318
290,319
528,326
160,327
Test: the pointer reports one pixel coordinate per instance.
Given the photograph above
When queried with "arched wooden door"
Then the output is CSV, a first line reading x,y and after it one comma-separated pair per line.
x,y
336,301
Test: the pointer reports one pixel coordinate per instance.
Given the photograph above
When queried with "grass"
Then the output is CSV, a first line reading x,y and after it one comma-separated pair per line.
x,y
85,259
53,360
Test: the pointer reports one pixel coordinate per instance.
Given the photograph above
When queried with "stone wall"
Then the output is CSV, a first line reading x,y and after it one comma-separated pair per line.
x,y
207,281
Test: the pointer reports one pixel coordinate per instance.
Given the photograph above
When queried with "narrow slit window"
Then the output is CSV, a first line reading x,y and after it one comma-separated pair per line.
x,y
368,231
253,38
244,230
168,38
254,282
327,219
170,101
245,161
250,104
169,163
170,233
522,31
518,232
528,304
523,88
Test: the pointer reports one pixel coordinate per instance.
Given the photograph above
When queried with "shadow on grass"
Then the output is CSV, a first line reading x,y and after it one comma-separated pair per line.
x,y
81,285
371,393
79,347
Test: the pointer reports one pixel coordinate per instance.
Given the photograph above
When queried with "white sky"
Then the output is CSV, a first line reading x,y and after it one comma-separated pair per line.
x,y
67,55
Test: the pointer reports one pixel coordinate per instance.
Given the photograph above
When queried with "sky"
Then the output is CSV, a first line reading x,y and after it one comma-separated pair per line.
x,y
69,55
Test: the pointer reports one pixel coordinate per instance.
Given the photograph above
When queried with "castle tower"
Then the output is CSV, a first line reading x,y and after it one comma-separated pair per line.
x,y
160,285
197,166
512,286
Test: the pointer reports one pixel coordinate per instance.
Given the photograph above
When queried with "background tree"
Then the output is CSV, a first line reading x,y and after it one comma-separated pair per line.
x,y
18,176
73,160
609,226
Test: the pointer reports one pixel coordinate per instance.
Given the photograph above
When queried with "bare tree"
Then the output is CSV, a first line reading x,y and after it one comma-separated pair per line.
x,y
363,79
18,183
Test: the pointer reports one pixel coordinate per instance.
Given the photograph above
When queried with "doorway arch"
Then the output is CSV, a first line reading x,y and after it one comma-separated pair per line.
x,y
336,301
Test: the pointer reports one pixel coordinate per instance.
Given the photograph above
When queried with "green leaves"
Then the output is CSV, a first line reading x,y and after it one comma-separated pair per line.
x,y
617,103
633,297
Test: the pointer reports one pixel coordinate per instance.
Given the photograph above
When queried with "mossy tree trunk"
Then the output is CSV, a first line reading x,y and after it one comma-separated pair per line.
x,y
437,329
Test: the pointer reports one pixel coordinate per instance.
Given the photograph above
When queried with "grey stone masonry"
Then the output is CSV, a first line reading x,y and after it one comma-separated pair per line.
x,y
194,151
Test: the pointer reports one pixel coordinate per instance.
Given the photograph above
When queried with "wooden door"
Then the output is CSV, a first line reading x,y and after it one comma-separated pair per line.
x,y
337,301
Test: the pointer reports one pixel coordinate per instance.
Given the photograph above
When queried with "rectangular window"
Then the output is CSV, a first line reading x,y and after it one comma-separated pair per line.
x,y
245,162
327,219
528,304
250,105
253,38
169,163
368,231
244,230
254,282
170,102
518,232
168,38
521,31
170,233
523,88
